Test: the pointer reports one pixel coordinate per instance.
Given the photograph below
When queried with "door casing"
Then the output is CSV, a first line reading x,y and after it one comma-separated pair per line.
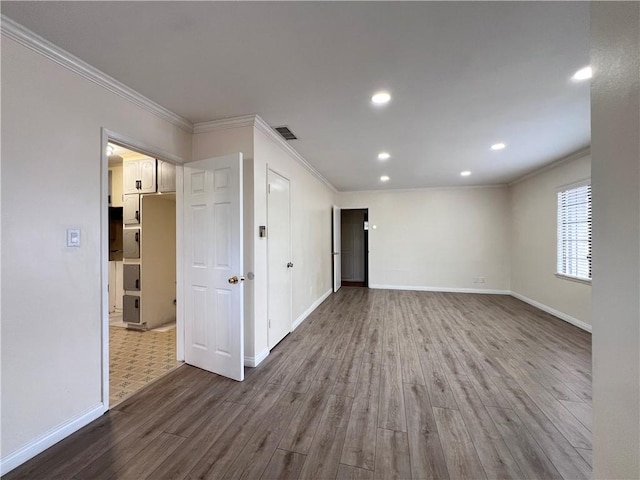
x,y
147,149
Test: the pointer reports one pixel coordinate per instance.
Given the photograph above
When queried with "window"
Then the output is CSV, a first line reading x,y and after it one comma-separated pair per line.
x,y
574,232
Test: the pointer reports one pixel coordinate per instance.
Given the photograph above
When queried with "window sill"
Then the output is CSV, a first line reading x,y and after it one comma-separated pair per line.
x,y
573,279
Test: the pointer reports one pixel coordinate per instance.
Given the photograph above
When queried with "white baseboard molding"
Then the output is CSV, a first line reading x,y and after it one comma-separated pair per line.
x,y
255,361
49,438
554,312
440,289
303,316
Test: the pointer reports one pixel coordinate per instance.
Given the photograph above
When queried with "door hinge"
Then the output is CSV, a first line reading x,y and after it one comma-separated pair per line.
x,y
269,323
268,188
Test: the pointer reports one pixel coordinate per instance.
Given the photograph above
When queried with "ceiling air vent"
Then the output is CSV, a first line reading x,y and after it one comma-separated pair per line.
x,y
285,133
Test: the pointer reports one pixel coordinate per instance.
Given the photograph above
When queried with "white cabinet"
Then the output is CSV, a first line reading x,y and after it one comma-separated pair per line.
x,y
139,176
131,210
166,177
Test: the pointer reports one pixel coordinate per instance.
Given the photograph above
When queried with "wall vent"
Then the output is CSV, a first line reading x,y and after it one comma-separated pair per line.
x,y
285,133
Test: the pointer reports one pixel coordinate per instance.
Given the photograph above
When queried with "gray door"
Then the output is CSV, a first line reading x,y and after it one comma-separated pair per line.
x,y
131,209
130,309
130,176
131,243
166,177
147,175
131,275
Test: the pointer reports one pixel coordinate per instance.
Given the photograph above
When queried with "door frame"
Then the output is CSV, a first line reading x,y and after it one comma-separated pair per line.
x,y
290,250
107,136
366,243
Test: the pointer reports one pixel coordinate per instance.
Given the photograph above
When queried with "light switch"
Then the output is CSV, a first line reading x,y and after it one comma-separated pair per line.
x,y
73,237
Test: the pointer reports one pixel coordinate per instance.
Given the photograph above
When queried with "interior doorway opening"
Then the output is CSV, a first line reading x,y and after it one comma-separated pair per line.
x,y
142,271
354,247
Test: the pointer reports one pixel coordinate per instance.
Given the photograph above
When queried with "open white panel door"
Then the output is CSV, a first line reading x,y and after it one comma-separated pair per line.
x,y
213,269
337,261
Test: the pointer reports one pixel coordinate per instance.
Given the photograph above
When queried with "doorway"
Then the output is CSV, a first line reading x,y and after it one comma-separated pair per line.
x,y
142,270
354,247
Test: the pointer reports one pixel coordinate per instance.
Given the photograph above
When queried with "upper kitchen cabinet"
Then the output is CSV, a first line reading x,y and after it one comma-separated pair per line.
x,y
139,176
166,177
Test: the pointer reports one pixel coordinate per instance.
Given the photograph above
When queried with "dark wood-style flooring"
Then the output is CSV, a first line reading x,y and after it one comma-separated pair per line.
x,y
374,385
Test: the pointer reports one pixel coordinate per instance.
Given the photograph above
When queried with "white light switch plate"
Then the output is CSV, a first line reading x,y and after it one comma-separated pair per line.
x,y
73,237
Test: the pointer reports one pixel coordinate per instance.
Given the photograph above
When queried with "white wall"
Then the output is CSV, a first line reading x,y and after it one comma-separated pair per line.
x,y
311,202
51,174
436,238
615,126
534,241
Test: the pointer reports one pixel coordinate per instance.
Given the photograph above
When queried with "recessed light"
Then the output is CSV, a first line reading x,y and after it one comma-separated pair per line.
x,y
384,178
380,98
383,156
498,146
583,74
466,173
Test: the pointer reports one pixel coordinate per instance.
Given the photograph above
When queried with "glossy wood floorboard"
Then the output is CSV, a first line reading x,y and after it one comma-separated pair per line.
x,y
375,384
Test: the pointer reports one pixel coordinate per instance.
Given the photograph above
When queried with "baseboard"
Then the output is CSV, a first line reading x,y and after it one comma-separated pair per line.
x,y
50,438
440,289
303,316
554,312
257,360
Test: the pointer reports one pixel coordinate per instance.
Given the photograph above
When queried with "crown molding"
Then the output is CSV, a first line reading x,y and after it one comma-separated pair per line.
x,y
259,124
275,137
225,123
424,189
36,43
583,152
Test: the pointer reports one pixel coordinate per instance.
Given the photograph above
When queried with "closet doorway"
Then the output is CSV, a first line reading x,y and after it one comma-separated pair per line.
x,y
354,247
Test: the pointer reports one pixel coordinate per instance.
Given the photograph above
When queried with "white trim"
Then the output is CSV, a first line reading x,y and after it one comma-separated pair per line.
x,y
36,43
225,123
569,158
142,147
419,288
303,316
553,311
257,360
275,137
570,186
564,276
50,438
104,264
423,189
259,124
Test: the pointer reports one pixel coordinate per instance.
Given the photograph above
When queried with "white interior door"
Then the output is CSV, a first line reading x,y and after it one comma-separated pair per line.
x,y
213,269
280,264
337,262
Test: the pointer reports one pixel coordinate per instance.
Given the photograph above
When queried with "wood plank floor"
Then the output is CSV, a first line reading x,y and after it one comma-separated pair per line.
x,y
374,385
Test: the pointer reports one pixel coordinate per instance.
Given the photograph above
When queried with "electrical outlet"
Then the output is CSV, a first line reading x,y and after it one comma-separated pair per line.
x,y
480,279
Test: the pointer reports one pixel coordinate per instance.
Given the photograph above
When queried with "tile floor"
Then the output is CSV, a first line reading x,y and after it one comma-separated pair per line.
x,y
137,358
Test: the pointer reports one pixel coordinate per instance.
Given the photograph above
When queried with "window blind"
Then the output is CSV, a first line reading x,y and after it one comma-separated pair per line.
x,y
574,232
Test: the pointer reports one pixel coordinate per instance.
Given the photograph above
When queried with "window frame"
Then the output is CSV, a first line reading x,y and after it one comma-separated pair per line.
x,y
559,244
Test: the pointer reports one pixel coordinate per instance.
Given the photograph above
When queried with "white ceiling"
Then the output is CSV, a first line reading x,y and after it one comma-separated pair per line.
x,y
462,76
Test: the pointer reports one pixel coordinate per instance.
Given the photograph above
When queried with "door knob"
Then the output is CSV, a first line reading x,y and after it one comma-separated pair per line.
x,y
289,265
233,280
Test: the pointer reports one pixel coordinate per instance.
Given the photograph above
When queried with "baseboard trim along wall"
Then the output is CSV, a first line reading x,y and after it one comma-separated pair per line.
x,y
541,306
554,312
255,361
303,316
50,438
440,289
